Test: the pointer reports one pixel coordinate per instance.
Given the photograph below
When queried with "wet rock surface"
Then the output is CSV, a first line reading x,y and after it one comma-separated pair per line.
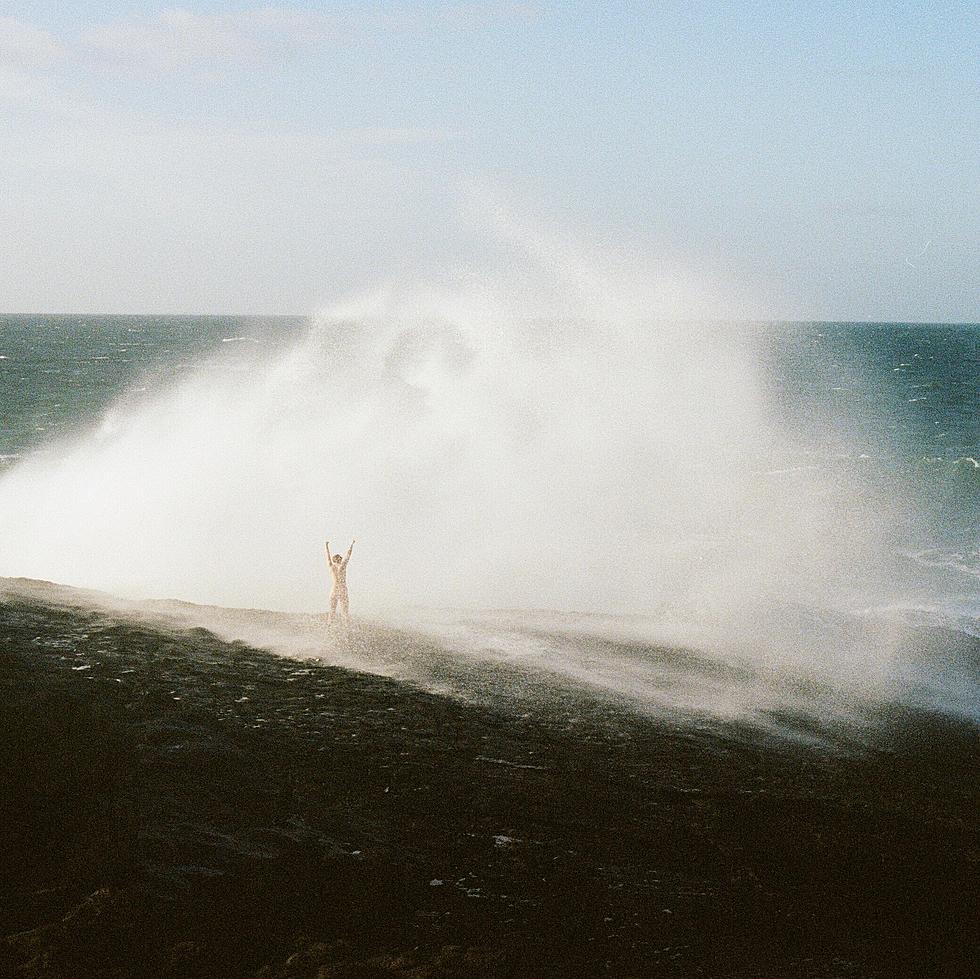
x,y
175,805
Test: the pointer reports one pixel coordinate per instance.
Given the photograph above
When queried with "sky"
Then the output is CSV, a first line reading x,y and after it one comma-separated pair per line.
x,y
803,161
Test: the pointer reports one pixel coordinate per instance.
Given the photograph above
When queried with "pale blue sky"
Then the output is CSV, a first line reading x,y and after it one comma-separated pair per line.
x,y
819,159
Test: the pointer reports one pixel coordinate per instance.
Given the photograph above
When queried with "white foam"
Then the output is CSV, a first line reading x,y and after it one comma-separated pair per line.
x,y
947,558
791,469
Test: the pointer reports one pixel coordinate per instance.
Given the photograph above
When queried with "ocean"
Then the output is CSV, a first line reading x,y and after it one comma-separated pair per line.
x,y
712,486
61,373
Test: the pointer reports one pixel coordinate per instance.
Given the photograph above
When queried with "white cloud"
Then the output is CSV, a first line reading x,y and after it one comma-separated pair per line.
x,y
33,93
388,135
177,38
26,46
476,15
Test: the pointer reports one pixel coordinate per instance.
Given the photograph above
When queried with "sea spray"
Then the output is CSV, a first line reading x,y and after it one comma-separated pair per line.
x,y
485,460
481,458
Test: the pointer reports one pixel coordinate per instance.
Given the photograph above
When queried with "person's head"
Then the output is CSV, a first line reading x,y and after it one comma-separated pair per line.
x,y
337,559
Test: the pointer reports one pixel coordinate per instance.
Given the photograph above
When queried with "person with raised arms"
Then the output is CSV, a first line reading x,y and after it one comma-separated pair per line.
x,y
338,584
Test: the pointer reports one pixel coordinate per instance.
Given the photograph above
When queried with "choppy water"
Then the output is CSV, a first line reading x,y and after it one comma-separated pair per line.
x,y
904,401
59,374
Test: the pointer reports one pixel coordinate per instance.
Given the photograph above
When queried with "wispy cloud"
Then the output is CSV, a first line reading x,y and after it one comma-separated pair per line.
x,y
177,38
26,91
387,135
480,15
22,45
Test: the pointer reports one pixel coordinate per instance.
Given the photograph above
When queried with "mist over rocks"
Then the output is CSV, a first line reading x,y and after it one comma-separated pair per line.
x,y
827,682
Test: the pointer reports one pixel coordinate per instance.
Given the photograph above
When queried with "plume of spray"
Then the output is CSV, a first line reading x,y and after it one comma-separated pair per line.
x,y
603,455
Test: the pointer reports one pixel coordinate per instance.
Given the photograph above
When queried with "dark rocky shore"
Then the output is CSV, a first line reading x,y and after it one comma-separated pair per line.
x,y
175,805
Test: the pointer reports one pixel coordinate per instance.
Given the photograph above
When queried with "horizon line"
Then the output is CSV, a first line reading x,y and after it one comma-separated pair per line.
x,y
301,316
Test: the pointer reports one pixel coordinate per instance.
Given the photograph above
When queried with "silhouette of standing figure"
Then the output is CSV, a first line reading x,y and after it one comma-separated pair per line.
x,y
338,584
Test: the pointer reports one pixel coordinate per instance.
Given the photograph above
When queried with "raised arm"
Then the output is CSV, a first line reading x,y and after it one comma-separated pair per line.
x,y
329,558
347,555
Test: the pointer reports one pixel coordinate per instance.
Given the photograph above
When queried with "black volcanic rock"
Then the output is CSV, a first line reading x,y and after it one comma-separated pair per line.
x,y
174,805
